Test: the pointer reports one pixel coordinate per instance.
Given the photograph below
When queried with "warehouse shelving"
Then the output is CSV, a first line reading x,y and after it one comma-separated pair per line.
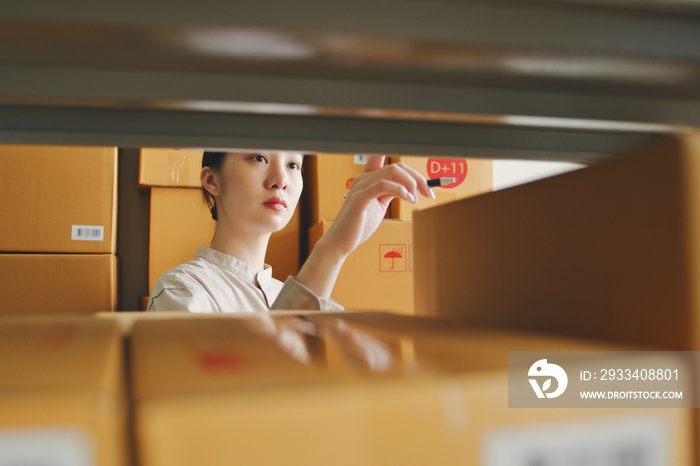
x,y
566,80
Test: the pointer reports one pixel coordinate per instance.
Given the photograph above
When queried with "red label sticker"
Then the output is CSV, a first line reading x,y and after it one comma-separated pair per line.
x,y
451,168
60,336
348,183
219,360
392,258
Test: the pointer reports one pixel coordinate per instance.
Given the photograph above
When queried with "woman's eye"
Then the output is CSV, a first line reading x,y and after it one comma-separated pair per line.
x,y
259,158
294,165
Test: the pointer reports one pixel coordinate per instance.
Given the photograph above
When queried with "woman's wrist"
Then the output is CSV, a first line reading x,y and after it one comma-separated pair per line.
x,y
321,269
326,248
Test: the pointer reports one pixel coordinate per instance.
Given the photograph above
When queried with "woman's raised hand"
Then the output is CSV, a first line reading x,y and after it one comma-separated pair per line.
x,y
368,200
359,217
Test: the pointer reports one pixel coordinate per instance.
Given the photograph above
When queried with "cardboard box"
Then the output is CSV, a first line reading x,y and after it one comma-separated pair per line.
x,y
283,250
208,390
58,283
609,252
437,344
474,176
327,178
378,275
186,370
127,319
170,167
476,357
58,199
181,222
63,397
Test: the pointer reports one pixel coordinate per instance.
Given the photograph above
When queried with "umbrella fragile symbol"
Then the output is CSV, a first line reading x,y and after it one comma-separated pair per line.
x,y
390,258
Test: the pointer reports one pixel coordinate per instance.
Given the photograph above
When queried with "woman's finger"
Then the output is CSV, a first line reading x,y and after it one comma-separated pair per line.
x,y
385,187
396,173
375,162
421,182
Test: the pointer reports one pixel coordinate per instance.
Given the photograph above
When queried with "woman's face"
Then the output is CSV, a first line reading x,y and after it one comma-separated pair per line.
x,y
259,192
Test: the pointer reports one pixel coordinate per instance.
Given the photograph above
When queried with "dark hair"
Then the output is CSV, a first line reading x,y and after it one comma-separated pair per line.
x,y
213,160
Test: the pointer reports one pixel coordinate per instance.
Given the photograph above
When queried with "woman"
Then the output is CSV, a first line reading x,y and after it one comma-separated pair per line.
x,y
253,195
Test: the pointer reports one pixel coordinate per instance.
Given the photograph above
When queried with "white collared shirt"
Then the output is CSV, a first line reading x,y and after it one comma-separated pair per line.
x,y
218,282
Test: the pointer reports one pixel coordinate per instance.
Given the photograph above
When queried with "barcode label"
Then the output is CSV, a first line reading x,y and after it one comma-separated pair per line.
x,y
360,159
87,233
639,441
45,447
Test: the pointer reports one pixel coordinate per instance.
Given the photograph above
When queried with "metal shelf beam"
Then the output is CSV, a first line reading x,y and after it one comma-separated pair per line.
x,y
537,79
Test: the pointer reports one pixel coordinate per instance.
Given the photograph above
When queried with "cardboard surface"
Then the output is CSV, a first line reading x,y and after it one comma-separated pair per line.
x,y
208,390
181,222
63,391
58,283
378,275
170,167
474,176
176,355
283,252
444,345
58,199
327,178
607,252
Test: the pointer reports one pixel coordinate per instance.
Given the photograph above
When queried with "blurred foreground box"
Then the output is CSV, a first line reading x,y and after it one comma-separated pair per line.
x,y
58,199
469,367
58,283
198,385
63,398
378,275
607,252
216,390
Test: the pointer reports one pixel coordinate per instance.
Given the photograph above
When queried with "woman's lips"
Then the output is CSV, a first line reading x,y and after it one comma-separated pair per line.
x,y
275,204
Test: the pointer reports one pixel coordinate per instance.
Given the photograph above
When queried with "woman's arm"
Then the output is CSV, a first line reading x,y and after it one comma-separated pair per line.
x,y
358,218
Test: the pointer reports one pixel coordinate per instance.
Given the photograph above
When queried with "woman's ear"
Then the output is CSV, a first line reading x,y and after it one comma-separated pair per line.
x,y
210,181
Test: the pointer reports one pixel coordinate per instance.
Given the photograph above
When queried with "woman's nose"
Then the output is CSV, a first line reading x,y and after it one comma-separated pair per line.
x,y
277,178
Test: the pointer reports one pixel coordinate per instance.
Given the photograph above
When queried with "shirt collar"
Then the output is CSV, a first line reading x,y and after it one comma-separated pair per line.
x,y
235,265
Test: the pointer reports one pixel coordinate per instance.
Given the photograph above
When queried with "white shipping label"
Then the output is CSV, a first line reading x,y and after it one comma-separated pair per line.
x,y
629,441
360,159
87,233
45,447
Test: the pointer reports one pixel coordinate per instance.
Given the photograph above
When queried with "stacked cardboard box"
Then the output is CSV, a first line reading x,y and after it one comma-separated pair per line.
x,y
217,389
174,168
181,221
63,397
379,274
327,178
473,177
607,252
58,229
